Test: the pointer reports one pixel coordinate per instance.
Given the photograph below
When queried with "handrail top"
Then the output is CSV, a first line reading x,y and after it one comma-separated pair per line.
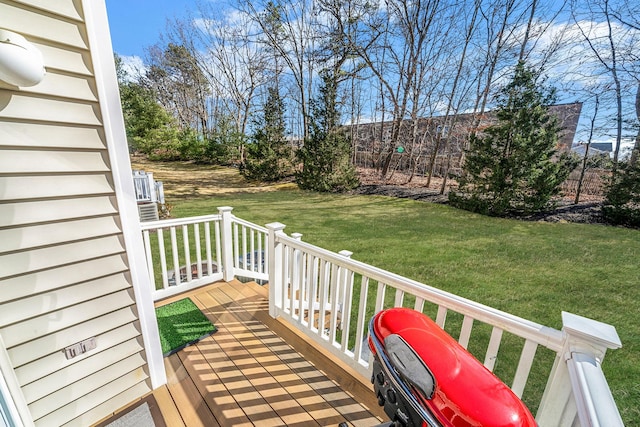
x,y
543,335
250,224
164,223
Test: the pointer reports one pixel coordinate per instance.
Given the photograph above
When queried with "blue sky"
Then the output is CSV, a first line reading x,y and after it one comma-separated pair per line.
x,y
137,24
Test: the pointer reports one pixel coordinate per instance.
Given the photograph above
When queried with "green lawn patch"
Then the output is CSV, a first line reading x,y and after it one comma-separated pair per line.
x,y
181,323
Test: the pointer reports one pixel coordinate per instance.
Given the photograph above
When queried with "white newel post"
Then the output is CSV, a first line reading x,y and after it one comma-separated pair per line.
x,y
226,243
577,389
276,274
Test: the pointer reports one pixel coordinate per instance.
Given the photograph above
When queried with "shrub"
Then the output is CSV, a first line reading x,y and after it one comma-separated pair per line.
x,y
269,156
512,167
622,204
326,154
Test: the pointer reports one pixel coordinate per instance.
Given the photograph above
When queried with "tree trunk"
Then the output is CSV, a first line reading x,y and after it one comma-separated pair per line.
x,y
636,146
586,151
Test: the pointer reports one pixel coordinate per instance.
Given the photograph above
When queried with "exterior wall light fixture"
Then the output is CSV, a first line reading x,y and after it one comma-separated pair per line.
x,y
21,63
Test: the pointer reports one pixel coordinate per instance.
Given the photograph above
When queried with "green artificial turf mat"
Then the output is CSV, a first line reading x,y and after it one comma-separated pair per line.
x,y
181,323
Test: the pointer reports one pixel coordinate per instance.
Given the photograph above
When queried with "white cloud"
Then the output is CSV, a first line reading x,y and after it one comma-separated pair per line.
x,y
133,65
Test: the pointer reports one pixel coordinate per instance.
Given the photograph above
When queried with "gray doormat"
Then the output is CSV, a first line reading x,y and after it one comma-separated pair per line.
x,y
145,413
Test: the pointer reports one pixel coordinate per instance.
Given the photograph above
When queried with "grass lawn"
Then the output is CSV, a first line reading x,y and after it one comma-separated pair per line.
x,y
533,270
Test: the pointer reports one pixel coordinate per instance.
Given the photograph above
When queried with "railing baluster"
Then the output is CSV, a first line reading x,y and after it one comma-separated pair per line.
x,y
286,278
465,332
322,296
236,247
380,296
163,259
302,275
196,237
361,326
187,252
289,279
309,288
244,253
261,254
346,310
441,317
492,350
304,282
344,278
147,247
419,304
176,257
524,367
297,279
333,295
313,293
252,251
218,246
207,243
399,298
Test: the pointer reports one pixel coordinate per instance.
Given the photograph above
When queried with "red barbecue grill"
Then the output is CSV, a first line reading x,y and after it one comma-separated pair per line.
x,y
423,377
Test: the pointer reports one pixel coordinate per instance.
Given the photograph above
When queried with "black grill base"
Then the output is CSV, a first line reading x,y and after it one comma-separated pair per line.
x,y
394,404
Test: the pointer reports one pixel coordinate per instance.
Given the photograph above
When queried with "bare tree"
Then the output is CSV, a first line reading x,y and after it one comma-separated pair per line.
x,y
629,15
182,89
288,29
396,49
453,101
585,158
236,65
500,24
606,54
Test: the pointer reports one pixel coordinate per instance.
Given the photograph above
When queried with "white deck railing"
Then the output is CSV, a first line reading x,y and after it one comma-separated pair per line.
x,y
330,297
186,253
147,189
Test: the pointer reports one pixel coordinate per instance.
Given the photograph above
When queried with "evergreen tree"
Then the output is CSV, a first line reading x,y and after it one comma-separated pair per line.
x,y
513,166
326,154
268,156
622,205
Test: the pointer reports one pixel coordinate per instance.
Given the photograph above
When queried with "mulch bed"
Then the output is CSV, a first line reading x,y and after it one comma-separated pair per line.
x,y
399,185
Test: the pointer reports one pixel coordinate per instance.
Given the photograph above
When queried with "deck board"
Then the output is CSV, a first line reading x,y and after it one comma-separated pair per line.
x,y
168,408
246,374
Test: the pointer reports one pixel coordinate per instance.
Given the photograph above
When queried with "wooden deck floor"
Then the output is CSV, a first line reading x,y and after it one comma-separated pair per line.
x,y
256,371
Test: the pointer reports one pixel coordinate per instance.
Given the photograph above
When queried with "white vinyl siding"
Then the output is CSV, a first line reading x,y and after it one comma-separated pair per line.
x,y
114,344
61,59
49,135
54,279
28,212
65,297
56,233
49,257
42,25
36,161
20,107
38,187
63,264
61,8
